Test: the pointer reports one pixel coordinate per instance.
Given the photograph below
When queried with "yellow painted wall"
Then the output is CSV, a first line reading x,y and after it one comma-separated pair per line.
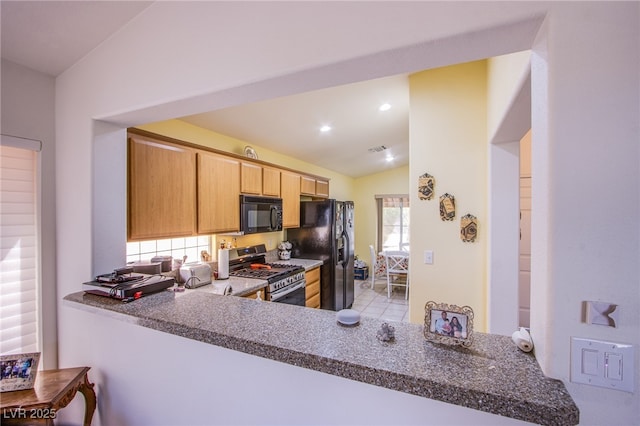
x,y
448,134
395,181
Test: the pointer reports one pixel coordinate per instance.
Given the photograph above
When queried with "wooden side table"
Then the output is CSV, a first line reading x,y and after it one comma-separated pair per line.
x,y
52,391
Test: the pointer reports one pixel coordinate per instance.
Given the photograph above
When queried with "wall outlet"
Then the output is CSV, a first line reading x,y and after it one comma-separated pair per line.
x,y
428,257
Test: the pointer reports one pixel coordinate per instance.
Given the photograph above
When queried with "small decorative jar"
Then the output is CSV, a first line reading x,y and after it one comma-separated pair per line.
x,y
284,254
284,250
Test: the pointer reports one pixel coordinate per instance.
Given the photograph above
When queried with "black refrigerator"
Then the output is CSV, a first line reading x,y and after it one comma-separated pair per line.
x,y
326,233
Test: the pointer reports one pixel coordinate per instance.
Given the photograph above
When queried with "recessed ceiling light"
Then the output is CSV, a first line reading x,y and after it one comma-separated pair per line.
x,y
325,128
389,158
384,107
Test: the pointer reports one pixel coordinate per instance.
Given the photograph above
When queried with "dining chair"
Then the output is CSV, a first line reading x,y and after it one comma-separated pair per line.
x,y
378,266
397,270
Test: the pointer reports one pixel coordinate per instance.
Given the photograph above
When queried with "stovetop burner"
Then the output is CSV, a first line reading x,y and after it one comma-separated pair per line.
x,y
275,273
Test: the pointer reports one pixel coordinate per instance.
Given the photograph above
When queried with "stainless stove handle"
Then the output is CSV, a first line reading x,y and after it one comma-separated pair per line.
x,y
280,295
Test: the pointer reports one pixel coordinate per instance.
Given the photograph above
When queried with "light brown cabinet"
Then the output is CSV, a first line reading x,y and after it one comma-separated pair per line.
x,y
255,295
290,193
178,189
250,178
322,188
312,289
218,193
271,181
161,190
307,185
314,187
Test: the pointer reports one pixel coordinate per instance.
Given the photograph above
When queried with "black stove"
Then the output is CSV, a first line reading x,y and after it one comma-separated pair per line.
x,y
283,279
265,271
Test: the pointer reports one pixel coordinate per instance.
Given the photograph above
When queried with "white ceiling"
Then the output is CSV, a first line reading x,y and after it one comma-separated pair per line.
x,y
50,36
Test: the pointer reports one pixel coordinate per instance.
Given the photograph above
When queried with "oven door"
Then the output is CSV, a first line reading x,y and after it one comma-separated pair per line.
x,y
293,295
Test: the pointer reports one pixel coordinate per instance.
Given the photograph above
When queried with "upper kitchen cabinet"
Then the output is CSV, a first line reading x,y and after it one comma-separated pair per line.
x,y
250,178
161,190
290,193
271,182
218,193
314,187
259,180
322,188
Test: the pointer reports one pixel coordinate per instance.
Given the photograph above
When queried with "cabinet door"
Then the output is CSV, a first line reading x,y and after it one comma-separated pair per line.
x,y
312,289
307,185
290,193
162,190
251,178
218,193
271,181
322,188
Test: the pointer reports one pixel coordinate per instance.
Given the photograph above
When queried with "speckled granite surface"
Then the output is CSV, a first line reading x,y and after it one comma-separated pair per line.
x,y
492,375
239,286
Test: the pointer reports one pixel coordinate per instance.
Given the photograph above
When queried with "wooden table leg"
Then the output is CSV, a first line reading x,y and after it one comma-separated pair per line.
x,y
86,388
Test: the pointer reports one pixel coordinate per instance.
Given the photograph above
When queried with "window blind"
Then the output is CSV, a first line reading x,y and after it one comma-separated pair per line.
x,y
19,289
392,225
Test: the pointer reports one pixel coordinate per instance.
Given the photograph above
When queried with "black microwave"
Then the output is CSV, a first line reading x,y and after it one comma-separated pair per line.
x,y
260,214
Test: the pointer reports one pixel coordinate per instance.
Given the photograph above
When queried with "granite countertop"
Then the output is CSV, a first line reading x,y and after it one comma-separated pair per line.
x,y
308,264
239,286
492,375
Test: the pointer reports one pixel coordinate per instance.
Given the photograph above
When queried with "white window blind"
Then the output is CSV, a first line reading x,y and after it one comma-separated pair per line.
x,y
393,221
19,289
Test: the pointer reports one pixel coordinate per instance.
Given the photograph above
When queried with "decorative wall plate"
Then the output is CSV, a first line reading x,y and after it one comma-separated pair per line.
x,y
447,207
426,184
250,152
468,228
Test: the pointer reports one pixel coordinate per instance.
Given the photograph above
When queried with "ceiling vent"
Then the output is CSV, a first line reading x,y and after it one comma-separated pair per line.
x,y
379,148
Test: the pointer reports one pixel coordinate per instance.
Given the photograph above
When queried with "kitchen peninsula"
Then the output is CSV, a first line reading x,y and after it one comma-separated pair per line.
x,y
492,376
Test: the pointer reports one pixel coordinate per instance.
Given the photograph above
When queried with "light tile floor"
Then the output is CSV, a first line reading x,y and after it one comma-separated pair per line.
x,y
374,303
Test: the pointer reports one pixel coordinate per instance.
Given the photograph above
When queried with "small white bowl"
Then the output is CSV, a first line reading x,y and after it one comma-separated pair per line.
x,y
348,317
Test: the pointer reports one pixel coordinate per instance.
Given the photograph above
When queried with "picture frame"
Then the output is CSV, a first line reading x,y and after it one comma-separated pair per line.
x,y
441,327
19,371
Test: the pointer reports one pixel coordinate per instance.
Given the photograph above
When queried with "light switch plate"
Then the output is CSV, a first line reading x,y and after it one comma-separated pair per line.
x,y
604,364
428,257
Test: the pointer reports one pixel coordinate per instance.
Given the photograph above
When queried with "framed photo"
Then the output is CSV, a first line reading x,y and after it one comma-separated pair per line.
x,y
448,324
18,372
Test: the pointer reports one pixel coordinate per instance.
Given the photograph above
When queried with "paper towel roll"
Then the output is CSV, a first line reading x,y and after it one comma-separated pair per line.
x,y
223,264
522,339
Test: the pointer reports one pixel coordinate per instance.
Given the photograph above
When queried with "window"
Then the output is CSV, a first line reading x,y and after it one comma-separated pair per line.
x,y
393,222
19,264
174,247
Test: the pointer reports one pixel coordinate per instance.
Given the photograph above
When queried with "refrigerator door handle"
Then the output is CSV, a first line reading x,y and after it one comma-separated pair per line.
x,y
345,250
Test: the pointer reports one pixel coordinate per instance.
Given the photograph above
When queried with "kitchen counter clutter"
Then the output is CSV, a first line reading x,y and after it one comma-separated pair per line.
x,y
491,376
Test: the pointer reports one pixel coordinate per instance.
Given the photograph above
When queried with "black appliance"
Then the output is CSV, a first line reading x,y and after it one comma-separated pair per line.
x,y
260,214
327,233
286,282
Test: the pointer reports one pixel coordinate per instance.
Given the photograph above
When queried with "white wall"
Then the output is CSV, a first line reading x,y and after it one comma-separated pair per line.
x,y
186,382
27,111
508,118
181,58
585,160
